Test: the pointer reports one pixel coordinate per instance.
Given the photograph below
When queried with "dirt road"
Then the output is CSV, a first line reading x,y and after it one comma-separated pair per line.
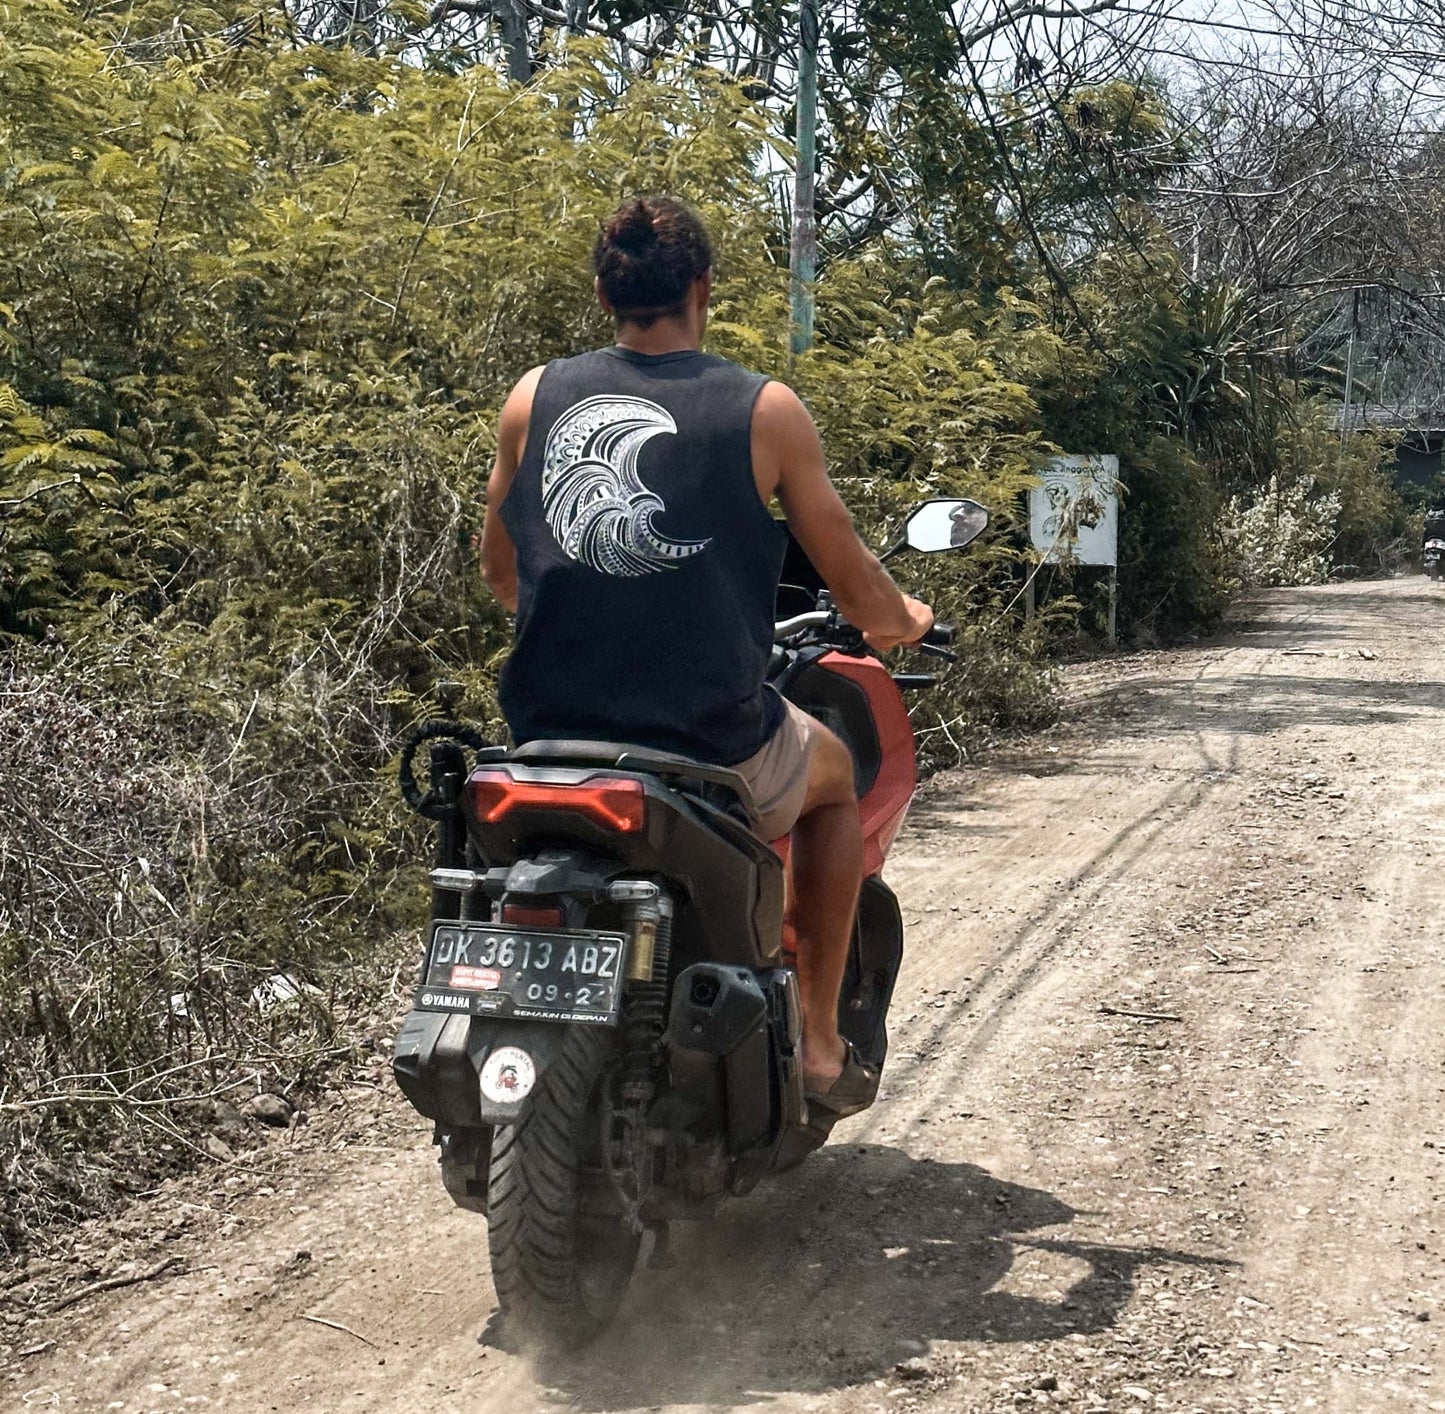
x,y
1164,1126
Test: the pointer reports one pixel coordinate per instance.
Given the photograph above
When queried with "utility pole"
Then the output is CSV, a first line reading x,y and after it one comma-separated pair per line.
x,y
1349,387
1350,368
512,20
803,253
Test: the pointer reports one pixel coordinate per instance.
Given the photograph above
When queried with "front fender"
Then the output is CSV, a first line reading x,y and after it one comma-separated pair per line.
x,y
439,1061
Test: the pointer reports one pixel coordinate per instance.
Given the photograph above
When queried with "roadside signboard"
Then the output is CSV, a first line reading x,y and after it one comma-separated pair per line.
x,y
1074,513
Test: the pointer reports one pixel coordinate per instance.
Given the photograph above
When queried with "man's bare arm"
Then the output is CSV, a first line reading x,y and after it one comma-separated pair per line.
x,y
499,555
788,460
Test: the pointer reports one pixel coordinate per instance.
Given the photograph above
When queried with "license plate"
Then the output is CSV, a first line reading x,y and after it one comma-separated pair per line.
x,y
483,969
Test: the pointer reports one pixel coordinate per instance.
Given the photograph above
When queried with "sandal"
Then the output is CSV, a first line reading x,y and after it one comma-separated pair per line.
x,y
854,1090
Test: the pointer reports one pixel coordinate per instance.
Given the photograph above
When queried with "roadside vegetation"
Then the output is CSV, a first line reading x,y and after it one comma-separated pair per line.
x,y
264,290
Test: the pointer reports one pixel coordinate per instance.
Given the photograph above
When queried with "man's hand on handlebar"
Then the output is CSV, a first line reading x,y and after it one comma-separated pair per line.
x,y
921,617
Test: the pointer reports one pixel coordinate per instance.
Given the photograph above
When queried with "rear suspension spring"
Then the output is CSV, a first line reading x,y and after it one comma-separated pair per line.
x,y
626,1155
645,1011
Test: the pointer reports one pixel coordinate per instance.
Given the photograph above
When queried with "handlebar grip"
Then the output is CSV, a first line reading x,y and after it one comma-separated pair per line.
x,y
939,636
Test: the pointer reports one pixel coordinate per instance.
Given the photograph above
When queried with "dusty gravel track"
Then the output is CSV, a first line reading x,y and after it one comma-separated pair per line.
x,y
1238,1209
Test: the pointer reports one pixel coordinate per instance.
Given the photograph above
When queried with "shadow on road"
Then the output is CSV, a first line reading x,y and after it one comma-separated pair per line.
x,y
834,1275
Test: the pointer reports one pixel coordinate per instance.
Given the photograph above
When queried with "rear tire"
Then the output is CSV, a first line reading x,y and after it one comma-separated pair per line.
x,y
562,1251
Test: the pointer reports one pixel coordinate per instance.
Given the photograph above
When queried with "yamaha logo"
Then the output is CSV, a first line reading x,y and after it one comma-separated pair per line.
x,y
442,1001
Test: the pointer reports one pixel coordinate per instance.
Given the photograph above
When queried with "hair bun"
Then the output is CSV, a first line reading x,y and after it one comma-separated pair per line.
x,y
631,228
648,255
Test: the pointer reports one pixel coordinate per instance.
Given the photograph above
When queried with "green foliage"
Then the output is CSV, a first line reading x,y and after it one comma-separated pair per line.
x,y
48,475
1328,508
1368,520
1283,536
923,413
1170,575
1138,375
261,307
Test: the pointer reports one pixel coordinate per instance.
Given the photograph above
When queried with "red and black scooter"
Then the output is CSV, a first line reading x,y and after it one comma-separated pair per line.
x,y
606,1032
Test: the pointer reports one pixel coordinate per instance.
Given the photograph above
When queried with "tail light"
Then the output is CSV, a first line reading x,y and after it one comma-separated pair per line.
x,y
614,802
520,917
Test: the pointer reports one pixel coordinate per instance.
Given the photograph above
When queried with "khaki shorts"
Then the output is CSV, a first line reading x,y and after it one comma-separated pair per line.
x,y
778,774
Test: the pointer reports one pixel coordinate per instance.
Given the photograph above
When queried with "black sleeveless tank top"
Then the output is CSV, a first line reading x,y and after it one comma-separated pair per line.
x,y
647,564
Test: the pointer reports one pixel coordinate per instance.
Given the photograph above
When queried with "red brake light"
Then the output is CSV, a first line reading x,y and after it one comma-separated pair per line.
x,y
520,917
617,803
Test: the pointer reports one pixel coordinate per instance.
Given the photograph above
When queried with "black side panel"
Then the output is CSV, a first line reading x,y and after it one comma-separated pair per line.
x,y
432,1064
715,1009
873,964
438,1060
724,1012
786,1020
798,573
842,706
752,1118
731,882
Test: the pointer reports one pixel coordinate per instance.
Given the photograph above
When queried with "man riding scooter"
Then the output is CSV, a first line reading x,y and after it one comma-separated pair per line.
x,y
628,529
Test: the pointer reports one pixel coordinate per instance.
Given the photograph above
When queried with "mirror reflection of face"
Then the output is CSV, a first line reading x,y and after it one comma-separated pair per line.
x,y
945,525
965,526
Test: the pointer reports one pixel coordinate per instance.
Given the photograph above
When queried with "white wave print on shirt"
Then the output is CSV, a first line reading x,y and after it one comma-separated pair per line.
x,y
594,499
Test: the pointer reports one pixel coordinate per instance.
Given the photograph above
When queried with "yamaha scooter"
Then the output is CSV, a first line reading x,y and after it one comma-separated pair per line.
x,y
606,1030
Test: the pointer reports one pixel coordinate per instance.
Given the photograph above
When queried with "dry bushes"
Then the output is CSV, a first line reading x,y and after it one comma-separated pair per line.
x,y
197,800
155,870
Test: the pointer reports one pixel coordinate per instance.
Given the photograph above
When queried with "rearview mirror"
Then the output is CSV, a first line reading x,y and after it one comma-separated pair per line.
x,y
944,525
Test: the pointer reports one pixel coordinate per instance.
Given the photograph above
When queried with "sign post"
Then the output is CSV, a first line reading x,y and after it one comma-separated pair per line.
x,y
1074,518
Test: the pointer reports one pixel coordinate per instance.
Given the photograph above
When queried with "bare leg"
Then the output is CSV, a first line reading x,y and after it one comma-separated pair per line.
x,y
826,870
